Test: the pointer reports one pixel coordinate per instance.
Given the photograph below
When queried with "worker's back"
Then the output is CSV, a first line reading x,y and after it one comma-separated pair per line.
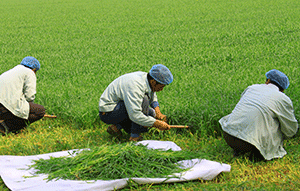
x,y
17,87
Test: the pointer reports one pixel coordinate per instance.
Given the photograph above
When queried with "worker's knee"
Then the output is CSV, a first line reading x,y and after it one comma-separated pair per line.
x,y
36,112
41,112
237,144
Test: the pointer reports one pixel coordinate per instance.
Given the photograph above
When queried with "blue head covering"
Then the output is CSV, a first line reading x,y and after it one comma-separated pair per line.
x,y
31,62
280,78
161,74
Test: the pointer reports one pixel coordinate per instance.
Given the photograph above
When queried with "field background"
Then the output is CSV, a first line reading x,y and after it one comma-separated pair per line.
x,y
215,49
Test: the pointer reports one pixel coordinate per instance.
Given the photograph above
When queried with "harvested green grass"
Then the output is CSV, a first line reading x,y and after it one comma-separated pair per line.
x,y
125,160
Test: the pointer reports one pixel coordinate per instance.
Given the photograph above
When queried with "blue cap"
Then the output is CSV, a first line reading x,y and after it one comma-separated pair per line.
x,y
31,62
280,78
161,74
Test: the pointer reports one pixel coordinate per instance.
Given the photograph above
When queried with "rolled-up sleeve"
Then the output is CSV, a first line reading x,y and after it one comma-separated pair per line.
x,y
154,102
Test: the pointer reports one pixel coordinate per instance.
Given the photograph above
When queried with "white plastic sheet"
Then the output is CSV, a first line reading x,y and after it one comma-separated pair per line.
x,y
15,174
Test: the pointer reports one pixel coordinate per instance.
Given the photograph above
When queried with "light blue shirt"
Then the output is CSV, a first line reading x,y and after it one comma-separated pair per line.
x,y
17,88
264,116
130,88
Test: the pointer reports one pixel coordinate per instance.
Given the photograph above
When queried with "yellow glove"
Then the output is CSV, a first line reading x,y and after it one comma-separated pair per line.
x,y
161,125
159,115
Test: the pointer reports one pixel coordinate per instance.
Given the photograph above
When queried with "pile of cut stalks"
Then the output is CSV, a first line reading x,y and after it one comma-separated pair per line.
x,y
114,162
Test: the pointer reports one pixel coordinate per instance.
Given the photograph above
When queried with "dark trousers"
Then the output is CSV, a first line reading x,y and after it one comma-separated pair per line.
x,y
120,118
15,123
241,147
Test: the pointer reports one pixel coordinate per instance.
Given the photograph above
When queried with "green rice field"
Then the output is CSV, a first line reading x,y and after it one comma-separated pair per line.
x,y
215,49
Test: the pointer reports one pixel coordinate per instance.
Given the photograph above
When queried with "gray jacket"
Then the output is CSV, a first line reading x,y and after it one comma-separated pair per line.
x,y
264,116
17,88
130,88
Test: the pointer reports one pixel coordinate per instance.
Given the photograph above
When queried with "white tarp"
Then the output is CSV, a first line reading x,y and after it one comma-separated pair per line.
x,y
15,174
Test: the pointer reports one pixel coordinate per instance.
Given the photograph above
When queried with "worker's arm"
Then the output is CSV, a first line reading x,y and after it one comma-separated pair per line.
x,y
133,96
159,115
29,88
286,117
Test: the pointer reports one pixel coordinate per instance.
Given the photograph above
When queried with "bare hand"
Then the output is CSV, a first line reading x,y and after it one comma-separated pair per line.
x,y
161,125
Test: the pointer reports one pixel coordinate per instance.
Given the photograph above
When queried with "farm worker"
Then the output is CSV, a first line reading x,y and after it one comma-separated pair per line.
x,y
262,119
17,93
130,102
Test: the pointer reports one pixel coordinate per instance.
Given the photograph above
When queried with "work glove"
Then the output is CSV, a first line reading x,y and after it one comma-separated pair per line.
x,y
161,125
159,115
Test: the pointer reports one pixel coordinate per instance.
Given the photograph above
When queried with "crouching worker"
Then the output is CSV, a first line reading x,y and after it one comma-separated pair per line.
x,y
17,93
130,102
262,119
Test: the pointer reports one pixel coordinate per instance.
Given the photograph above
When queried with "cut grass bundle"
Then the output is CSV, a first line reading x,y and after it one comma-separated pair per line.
x,y
114,162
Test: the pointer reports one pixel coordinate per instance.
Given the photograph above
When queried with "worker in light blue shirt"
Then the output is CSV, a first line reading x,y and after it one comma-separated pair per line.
x,y
17,93
262,119
130,102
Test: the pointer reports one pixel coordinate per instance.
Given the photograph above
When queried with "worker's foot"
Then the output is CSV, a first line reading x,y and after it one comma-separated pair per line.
x,y
256,157
113,130
139,138
3,128
236,153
